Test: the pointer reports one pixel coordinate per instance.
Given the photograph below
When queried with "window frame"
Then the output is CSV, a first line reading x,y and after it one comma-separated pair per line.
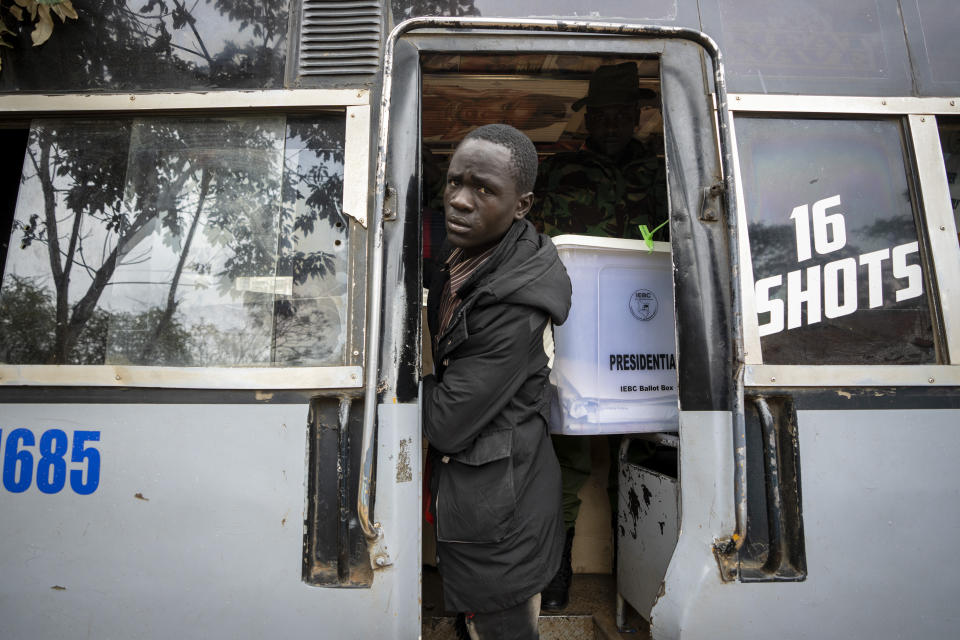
x,y
355,104
919,116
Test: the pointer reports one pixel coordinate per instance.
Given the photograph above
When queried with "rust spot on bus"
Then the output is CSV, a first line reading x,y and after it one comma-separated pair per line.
x,y
404,469
140,496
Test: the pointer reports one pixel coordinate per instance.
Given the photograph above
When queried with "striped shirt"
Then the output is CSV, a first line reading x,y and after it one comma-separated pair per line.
x,y
461,269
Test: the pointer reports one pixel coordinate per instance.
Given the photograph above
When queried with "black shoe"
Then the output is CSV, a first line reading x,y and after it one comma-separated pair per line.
x,y
557,594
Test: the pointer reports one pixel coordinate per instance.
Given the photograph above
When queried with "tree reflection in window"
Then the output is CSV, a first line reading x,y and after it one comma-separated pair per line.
x,y
179,242
125,45
310,320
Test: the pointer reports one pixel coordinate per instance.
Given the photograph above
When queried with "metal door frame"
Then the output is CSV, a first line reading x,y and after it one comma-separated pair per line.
x,y
376,539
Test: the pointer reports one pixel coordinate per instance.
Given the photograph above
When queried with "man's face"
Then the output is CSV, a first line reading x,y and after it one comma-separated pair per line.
x,y
610,127
481,199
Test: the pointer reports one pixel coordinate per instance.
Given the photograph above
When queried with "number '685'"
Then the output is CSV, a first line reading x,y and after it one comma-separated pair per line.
x,y
51,463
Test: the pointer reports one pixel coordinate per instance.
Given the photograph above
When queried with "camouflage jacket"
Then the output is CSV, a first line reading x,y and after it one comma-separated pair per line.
x,y
588,193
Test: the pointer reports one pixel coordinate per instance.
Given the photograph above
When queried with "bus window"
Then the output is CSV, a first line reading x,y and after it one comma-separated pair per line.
x,y
810,46
950,145
650,11
179,242
837,263
155,45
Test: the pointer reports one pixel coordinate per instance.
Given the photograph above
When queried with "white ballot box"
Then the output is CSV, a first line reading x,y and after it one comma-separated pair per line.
x,y
615,366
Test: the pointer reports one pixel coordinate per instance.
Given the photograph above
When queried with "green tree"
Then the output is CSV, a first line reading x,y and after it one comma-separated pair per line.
x,y
156,44
37,13
27,322
79,168
27,319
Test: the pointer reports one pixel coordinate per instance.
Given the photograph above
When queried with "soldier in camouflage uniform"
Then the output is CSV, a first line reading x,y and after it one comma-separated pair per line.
x,y
609,188
614,183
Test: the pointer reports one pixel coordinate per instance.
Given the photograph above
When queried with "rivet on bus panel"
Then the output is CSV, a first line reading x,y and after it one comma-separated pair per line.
x,y
930,380
772,379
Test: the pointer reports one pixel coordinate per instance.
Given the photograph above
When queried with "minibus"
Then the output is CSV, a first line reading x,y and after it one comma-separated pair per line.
x,y
215,219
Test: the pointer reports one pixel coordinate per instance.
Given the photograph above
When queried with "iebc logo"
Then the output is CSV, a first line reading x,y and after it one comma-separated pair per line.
x,y
643,304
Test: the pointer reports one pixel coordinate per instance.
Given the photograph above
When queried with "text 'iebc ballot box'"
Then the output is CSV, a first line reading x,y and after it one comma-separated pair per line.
x,y
615,366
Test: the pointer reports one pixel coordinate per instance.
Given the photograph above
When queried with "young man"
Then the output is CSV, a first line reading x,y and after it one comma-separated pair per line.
x,y
494,479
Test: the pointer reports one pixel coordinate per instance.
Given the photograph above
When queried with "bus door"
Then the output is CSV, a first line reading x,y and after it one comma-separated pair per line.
x,y
446,77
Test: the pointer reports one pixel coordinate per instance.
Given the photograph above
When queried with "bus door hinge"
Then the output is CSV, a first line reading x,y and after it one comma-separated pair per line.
x,y
774,549
711,200
390,204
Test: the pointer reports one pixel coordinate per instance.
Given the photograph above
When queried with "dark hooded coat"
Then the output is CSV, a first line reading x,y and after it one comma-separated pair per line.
x,y
495,481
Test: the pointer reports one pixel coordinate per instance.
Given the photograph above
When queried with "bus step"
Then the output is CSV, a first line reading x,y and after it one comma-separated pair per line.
x,y
552,627
590,614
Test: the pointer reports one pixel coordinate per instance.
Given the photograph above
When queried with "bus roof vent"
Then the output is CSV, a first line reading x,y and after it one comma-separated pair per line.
x,y
339,38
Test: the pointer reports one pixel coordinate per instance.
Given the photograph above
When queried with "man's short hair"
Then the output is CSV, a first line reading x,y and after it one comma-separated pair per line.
x,y
523,155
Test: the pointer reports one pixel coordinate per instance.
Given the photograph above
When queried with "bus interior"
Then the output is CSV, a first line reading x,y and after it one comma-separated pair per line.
x,y
534,93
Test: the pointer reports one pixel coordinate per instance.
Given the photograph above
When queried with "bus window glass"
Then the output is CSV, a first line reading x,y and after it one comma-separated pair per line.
x,y
311,321
950,144
855,47
833,239
649,11
931,28
155,45
178,242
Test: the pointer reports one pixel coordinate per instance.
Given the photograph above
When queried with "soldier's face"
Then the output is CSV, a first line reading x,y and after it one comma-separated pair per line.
x,y
481,199
610,127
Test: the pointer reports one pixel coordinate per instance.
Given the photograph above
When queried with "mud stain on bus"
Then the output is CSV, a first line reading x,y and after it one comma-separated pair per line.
x,y
633,506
